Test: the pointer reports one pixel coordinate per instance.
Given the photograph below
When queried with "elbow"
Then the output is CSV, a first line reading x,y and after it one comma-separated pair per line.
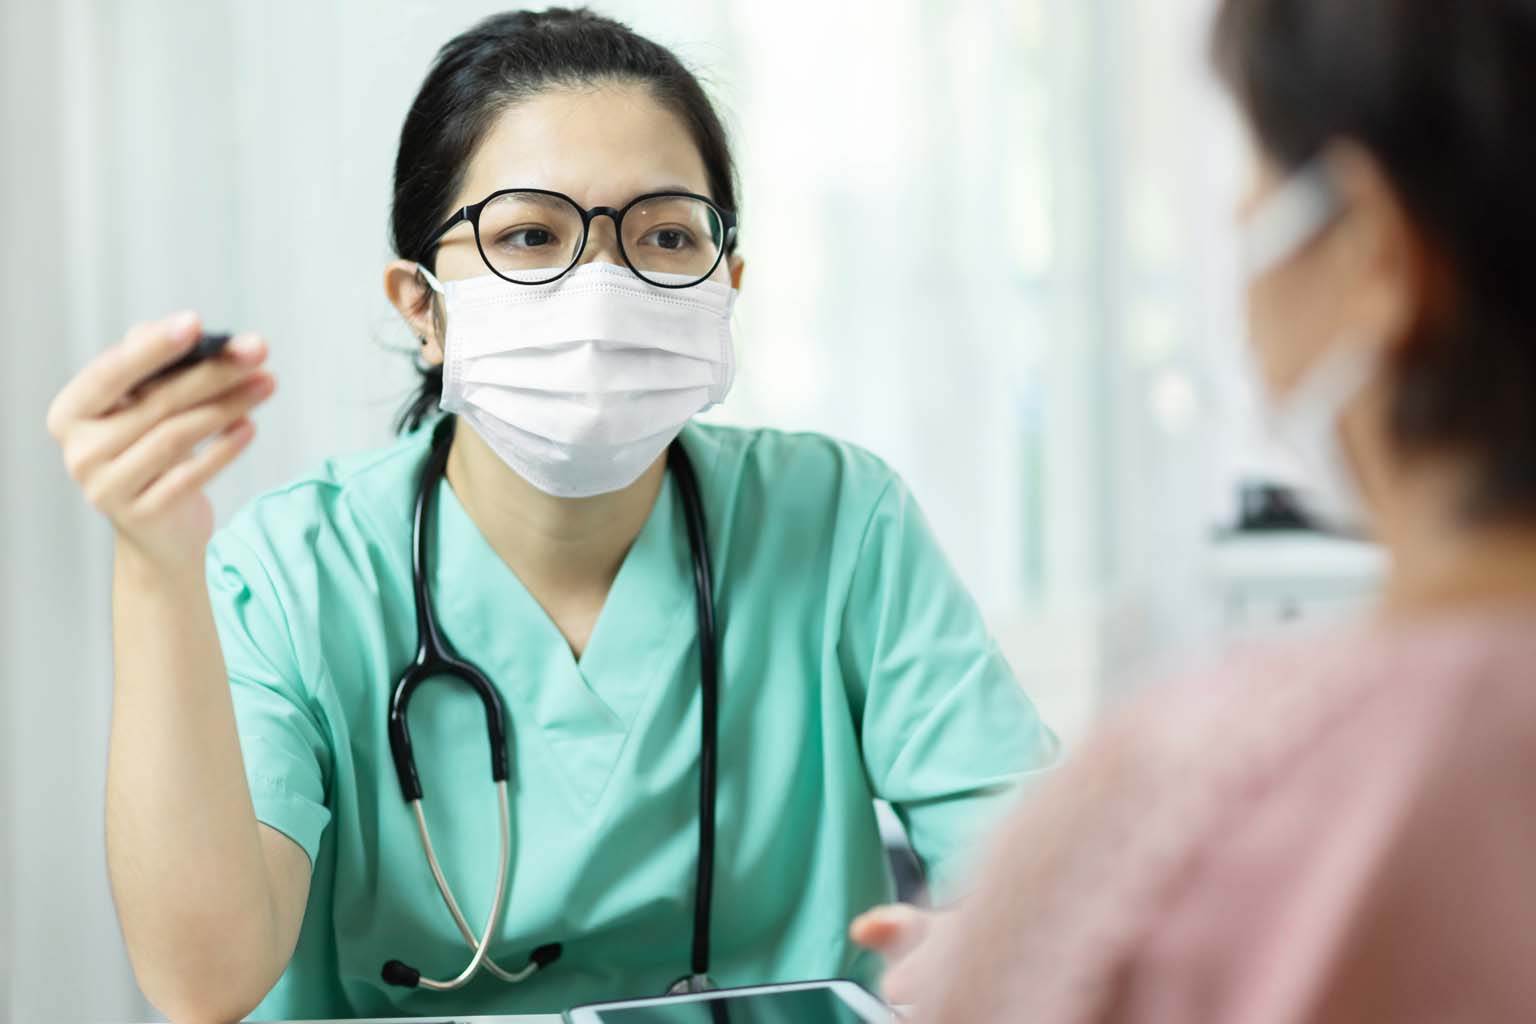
x,y
204,993
202,970
203,1003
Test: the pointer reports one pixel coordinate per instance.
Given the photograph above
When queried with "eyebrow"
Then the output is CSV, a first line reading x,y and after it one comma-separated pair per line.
x,y
651,190
666,188
540,199
536,193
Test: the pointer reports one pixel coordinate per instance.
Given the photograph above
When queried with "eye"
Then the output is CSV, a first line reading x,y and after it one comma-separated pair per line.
x,y
670,239
531,237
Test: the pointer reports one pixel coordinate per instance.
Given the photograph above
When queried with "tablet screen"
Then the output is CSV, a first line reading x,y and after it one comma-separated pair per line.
x,y
806,1006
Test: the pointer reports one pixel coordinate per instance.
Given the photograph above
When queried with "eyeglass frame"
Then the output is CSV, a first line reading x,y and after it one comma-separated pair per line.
x,y
471,214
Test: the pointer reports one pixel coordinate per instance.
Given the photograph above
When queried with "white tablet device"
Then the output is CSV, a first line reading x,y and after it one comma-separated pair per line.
x,y
812,1002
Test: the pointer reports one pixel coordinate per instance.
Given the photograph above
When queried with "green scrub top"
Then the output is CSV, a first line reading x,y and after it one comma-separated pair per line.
x,y
853,665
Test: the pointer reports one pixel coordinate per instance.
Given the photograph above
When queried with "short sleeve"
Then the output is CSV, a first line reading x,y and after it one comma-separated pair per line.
x,y
947,731
282,735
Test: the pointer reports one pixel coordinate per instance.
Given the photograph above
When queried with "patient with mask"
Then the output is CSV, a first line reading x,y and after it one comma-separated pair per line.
x,y
1343,828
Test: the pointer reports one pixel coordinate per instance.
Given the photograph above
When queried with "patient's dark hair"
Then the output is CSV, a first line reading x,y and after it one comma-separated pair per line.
x,y
1443,96
507,59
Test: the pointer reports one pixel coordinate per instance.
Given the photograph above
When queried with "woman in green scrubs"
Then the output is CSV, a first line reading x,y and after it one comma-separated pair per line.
x,y
260,848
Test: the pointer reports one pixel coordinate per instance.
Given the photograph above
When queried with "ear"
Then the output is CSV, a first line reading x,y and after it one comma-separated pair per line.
x,y
417,305
737,266
1379,255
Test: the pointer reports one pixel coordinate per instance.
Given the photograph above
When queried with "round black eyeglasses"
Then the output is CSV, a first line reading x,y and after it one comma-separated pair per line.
x,y
535,236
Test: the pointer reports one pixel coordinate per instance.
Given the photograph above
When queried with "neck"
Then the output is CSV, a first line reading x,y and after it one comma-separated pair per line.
x,y
1442,561
566,551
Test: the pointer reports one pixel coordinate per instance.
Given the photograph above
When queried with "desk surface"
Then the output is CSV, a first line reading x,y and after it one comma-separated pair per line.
x,y
537,1018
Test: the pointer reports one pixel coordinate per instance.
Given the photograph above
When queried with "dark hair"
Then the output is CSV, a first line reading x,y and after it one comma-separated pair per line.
x,y
504,60
1441,95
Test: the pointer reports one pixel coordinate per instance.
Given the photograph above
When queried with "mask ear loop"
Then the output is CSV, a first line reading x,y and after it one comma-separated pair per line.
x,y
1310,418
1296,214
439,315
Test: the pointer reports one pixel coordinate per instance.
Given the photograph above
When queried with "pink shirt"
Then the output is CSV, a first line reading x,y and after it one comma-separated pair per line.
x,y
1341,830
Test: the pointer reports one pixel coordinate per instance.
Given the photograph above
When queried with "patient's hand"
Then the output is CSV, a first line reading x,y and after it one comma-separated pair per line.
x,y
896,932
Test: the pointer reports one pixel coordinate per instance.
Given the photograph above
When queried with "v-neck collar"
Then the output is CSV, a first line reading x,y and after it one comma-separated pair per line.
x,y
584,710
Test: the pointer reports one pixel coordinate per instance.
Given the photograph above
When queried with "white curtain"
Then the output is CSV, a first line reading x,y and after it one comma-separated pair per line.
x,y
985,239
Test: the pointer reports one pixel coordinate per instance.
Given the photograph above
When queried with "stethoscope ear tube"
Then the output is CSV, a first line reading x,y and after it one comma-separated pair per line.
x,y
401,975
396,972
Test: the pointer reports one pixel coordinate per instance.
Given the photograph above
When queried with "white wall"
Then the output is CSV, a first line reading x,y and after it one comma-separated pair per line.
x,y
986,239
59,935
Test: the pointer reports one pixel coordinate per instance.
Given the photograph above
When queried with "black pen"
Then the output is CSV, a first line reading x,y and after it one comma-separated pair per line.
x,y
208,346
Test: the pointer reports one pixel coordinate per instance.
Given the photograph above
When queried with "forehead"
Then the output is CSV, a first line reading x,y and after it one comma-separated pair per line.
x,y
601,145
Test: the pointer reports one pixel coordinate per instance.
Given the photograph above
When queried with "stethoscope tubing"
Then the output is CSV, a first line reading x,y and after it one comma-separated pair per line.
x,y
481,946
709,700
435,658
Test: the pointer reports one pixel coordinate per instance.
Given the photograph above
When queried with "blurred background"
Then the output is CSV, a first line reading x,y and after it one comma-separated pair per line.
x,y
989,240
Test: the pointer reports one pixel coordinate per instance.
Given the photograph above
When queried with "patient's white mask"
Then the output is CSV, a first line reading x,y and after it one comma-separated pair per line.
x,y
1307,420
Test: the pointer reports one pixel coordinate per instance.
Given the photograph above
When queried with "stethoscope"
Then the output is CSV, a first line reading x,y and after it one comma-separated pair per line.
x,y
436,659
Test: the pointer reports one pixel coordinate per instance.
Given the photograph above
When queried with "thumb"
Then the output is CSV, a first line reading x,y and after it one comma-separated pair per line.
x,y
892,931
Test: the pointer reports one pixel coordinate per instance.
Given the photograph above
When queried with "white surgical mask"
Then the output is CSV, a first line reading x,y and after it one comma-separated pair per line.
x,y
1308,419
580,385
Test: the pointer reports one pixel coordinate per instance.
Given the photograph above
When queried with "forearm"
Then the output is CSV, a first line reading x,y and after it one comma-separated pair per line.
x,y
191,883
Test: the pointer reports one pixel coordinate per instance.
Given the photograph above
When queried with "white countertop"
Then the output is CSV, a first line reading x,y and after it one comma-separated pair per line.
x,y
1306,558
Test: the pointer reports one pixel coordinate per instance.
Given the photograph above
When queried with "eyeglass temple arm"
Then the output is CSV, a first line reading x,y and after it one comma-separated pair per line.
x,y
463,214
